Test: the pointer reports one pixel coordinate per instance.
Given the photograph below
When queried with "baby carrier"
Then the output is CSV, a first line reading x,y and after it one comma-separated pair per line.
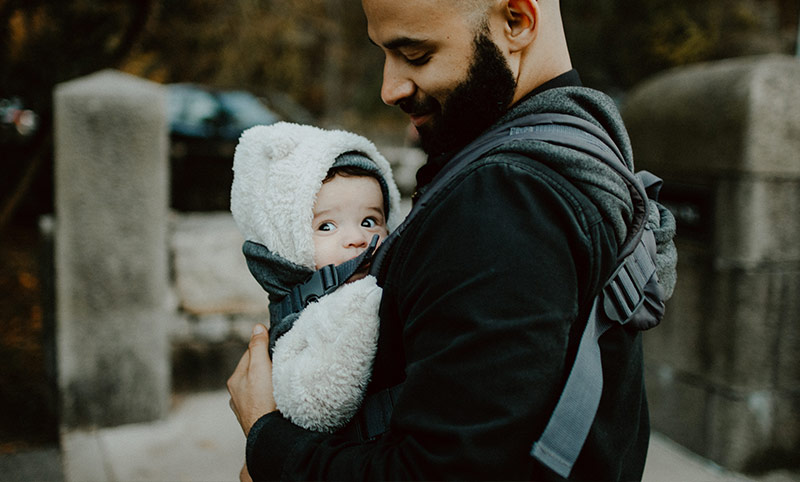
x,y
631,297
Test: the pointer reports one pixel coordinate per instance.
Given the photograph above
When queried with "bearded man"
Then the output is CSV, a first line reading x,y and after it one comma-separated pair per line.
x,y
487,291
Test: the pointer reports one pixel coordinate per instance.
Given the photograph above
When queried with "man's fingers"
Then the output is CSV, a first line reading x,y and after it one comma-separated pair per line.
x,y
259,343
241,367
250,385
244,475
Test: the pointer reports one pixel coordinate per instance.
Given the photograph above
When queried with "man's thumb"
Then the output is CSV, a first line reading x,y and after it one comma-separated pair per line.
x,y
258,344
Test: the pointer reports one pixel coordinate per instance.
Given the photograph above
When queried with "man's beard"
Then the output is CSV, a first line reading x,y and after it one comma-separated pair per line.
x,y
474,105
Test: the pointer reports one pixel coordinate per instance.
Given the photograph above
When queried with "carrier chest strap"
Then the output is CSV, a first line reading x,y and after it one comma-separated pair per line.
x,y
324,281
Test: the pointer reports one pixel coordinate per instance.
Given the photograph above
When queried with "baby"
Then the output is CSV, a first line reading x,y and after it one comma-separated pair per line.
x,y
312,205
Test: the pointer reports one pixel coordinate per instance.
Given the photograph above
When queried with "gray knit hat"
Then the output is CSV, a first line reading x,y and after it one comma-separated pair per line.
x,y
361,161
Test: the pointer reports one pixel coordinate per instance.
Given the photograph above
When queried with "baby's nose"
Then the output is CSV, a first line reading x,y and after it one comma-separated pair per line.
x,y
357,238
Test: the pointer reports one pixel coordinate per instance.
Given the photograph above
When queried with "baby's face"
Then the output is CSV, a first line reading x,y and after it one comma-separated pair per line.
x,y
347,214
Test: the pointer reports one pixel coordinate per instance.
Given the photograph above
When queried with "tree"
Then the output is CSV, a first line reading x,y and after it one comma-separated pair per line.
x,y
619,43
43,43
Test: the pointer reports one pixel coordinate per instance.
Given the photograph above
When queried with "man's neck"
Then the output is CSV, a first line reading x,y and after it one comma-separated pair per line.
x,y
566,79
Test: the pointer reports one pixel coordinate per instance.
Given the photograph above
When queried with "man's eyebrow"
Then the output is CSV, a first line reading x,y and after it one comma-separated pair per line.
x,y
401,42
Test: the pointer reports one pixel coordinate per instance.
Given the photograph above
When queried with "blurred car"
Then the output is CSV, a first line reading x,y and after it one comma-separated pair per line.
x,y
204,122
205,125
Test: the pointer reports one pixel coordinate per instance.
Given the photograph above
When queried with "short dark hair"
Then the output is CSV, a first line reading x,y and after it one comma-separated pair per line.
x,y
350,171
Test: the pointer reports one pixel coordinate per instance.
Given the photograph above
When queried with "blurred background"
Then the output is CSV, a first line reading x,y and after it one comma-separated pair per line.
x,y
232,64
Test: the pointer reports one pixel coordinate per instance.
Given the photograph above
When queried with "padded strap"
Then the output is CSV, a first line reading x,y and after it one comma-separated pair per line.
x,y
561,442
373,419
560,129
621,302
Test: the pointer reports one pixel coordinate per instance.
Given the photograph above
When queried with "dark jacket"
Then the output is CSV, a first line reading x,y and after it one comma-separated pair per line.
x,y
485,297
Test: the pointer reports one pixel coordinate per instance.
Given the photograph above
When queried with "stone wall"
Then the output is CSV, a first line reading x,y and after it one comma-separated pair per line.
x,y
723,369
218,301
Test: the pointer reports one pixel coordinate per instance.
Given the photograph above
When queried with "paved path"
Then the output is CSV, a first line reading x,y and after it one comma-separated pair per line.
x,y
201,441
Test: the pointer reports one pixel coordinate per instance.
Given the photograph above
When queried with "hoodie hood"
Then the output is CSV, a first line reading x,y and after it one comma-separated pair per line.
x,y
596,180
600,183
278,171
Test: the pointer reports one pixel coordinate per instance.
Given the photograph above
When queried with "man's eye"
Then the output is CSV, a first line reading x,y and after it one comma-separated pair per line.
x,y
326,227
418,61
369,222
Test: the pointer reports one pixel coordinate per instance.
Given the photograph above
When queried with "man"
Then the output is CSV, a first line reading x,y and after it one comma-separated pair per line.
x,y
487,292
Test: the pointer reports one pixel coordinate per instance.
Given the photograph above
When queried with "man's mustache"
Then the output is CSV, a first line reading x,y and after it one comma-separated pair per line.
x,y
411,106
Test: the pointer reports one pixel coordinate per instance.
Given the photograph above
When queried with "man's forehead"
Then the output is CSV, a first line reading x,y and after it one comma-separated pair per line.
x,y
393,23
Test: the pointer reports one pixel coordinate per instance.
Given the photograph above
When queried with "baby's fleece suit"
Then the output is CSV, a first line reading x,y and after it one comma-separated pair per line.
x,y
322,356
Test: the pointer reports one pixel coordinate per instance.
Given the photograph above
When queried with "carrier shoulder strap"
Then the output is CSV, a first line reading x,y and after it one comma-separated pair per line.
x,y
560,129
620,301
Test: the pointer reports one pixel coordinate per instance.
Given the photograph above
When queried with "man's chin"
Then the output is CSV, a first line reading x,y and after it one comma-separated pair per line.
x,y
430,140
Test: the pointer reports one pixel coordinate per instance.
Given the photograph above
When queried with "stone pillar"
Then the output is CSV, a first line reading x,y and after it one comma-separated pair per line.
x,y
723,369
111,258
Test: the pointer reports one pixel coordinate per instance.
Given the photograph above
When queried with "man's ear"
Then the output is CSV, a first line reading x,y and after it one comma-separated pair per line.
x,y
522,23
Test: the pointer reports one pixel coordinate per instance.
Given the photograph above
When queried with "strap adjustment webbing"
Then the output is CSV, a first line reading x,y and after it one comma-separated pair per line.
x,y
624,291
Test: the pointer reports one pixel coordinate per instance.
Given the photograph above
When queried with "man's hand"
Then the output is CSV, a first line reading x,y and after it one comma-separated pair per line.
x,y
250,385
244,475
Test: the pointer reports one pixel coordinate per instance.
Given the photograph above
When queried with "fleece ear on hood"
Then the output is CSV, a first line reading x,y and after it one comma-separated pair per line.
x,y
278,171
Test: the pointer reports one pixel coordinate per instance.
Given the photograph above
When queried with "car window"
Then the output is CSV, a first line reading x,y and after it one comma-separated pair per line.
x,y
192,106
246,110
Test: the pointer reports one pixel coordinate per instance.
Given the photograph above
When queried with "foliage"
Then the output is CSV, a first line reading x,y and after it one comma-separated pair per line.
x,y
47,42
317,51
617,44
43,43
314,50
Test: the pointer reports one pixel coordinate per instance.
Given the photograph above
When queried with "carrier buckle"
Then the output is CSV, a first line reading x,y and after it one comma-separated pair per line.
x,y
624,292
322,282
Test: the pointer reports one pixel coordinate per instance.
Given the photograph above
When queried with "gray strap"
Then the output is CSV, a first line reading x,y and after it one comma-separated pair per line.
x,y
559,129
373,419
562,439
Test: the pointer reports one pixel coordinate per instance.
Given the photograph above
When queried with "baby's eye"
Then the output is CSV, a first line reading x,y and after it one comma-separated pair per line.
x,y
327,226
369,222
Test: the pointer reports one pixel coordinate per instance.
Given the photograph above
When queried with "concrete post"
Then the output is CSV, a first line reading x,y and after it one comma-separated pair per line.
x,y
111,250
723,368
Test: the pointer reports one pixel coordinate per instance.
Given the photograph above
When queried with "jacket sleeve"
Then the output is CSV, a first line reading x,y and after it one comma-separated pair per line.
x,y
487,286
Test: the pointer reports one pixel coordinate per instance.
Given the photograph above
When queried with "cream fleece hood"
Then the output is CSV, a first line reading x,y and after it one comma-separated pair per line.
x,y
278,171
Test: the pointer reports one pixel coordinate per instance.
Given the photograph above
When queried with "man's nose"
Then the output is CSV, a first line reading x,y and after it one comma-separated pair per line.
x,y
396,86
